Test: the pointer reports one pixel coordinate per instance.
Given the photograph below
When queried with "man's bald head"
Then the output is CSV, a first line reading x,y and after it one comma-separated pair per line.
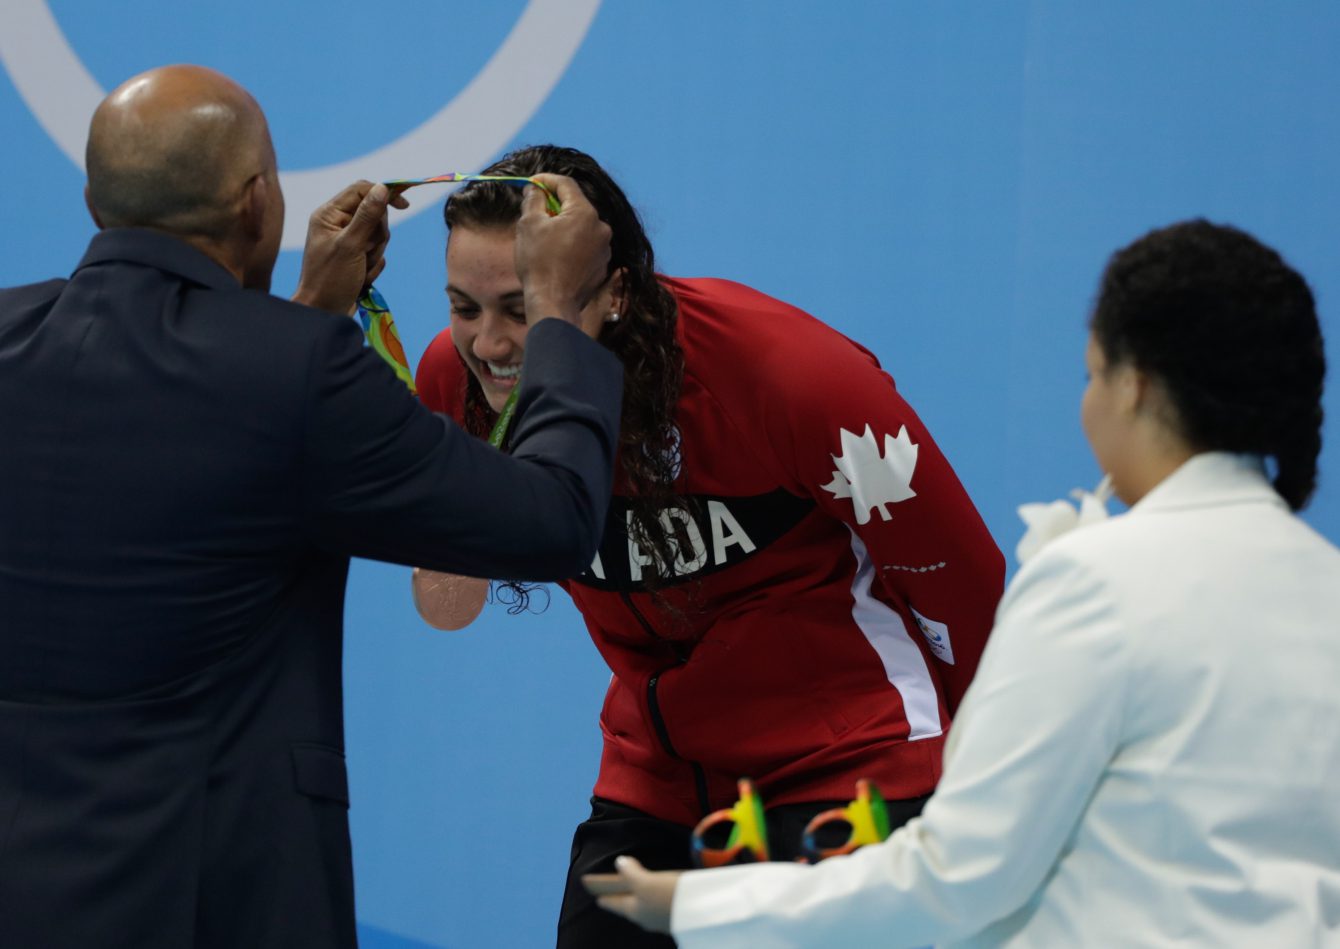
x,y
173,149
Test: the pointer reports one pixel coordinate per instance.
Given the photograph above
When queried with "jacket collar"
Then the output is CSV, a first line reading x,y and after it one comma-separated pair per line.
x,y
152,248
1209,479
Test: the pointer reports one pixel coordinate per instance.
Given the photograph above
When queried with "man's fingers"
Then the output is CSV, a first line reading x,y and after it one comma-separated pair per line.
x,y
563,187
625,906
377,241
376,270
336,213
642,895
371,213
360,207
349,198
347,201
602,884
346,241
533,202
630,867
383,233
562,259
377,255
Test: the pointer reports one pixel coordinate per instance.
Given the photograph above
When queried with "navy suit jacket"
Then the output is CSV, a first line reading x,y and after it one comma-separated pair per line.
x,y
185,469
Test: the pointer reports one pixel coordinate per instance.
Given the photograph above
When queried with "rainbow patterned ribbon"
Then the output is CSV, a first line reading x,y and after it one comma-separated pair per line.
x,y
382,336
550,199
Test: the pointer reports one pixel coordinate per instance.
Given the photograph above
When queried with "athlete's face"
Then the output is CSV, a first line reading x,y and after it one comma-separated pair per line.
x,y
488,310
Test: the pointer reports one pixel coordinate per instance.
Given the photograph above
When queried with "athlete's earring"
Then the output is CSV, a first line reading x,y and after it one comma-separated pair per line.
x,y
613,317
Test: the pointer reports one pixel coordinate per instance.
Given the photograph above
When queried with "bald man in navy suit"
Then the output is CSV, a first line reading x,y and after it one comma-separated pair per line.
x,y
187,465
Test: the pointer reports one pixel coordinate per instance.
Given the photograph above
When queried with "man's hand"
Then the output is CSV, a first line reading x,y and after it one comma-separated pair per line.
x,y
562,259
346,238
636,893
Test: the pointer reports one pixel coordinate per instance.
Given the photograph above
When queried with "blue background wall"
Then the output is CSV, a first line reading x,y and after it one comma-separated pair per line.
x,y
940,181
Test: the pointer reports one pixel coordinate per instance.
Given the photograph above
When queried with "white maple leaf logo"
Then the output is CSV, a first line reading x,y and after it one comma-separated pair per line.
x,y
873,481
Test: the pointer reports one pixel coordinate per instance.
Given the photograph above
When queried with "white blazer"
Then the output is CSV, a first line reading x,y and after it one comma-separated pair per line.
x,y
1149,755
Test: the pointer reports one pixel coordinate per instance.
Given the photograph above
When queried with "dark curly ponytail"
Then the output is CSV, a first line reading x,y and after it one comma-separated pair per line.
x,y
644,338
1231,332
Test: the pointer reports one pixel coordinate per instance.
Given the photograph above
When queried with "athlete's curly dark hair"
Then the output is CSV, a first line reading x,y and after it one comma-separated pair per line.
x,y
643,338
1231,332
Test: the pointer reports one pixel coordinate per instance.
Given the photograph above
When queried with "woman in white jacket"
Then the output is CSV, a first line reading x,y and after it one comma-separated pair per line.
x,y
1150,754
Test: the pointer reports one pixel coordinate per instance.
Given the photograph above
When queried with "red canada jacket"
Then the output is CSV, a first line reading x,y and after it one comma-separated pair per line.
x,y
836,592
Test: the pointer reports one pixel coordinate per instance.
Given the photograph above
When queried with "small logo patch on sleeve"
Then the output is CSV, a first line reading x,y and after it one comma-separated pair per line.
x,y
937,637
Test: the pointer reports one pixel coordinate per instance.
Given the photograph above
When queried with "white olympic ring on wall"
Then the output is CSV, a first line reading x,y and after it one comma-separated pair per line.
x,y
462,135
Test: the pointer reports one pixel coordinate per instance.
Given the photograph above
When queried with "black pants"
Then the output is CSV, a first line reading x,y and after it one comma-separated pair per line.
x,y
614,829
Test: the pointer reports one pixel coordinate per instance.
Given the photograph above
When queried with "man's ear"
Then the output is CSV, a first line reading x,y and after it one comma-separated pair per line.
x,y
92,211
255,205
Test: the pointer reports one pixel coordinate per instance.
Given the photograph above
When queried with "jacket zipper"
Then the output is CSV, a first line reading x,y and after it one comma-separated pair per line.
x,y
654,705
